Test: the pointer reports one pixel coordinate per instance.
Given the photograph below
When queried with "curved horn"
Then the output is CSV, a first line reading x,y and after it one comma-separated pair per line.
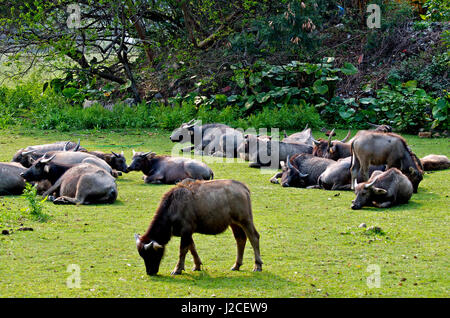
x,y
316,142
330,136
45,160
306,127
284,132
368,185
374,125
65,146
153,245
347,137
303,175
355,183
288,163
137,238
27,152
191,121
116,155
145,154
134,152
77,146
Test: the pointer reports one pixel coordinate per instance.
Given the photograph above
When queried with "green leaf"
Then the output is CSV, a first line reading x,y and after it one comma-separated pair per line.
x,y
319,88
69,92
368,100
349,69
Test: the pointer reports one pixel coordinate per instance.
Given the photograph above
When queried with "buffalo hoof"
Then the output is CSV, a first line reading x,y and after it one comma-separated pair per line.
x,y
176,272
275,181
257,269
196,269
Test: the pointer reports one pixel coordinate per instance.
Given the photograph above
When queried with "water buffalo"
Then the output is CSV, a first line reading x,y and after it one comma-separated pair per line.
x,y
262,151
11,183
302,170
229,143
206,207
303,137
81,183
69,157
168,170
23,155
205,138
383,189
435,162
378,148
337,176
244,148
332,149
116,161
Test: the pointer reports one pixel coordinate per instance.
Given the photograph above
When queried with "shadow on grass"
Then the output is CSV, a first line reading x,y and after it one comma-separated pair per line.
x,y
243,279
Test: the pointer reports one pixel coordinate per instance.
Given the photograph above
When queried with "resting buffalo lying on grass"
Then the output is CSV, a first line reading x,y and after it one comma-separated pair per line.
x,y
383,190
82,183
435,162
11,183
302,170
23,155
206,207
168,170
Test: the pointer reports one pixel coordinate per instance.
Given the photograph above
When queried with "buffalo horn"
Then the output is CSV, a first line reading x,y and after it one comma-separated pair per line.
x,y
368,185
330,136
45,160
316,142
346,137
288,163
115,154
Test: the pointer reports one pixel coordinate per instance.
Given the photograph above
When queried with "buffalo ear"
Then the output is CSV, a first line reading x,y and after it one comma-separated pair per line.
x,y
379,191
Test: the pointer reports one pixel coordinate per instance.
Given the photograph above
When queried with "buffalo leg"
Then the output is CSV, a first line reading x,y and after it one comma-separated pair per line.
x,y
382,205
241,239
253,237
185,243
354,171
275,178
197,261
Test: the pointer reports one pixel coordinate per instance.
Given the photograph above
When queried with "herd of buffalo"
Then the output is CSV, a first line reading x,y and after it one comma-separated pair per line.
x,y
377,164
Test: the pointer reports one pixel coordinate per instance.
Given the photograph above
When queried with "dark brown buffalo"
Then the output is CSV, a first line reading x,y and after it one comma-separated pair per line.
x,y
116,161
23,155
206,207
302,170
169,170
435,162
332,149
82,183
378,148
11,183
383,190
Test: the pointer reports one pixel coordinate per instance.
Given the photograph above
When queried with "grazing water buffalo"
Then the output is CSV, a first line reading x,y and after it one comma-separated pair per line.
x,y
383,190
303,137
116,161
332,149
206,207
337,176
435,162
267,152
302,170
23,155
377,148
82,183
168,170
205,138
11,183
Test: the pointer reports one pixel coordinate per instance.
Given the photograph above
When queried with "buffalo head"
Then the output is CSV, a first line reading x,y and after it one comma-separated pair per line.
x,y
365,193
39,170
185,132
140,160
118,162
152,254
291,176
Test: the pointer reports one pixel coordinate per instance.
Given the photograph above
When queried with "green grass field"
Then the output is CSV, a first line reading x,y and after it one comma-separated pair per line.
x,y
311,244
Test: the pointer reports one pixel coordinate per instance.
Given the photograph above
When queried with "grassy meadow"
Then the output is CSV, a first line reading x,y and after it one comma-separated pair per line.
x,y
311,244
